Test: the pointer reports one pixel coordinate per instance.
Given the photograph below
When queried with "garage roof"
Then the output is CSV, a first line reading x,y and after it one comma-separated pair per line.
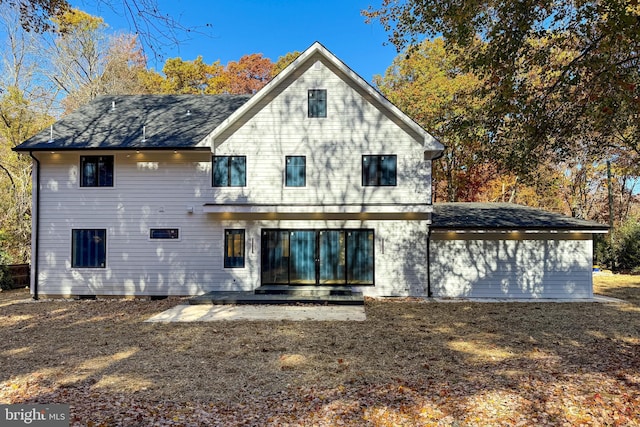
x,y
504,216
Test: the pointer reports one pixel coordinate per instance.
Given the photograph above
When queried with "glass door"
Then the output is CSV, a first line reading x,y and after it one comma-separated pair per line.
x,y
302,258
311,257
331,251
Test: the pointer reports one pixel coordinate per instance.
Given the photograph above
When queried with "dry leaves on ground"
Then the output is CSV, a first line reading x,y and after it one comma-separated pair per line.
x,y
410,363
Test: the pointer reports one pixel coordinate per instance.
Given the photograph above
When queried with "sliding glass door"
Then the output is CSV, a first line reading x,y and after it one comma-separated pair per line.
x,y
302,259
331,251
309,257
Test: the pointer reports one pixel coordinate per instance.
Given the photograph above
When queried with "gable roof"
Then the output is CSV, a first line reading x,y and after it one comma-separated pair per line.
x,y
503,217
119,122
317,52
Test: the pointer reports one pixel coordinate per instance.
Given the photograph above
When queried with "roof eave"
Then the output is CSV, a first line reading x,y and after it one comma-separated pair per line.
x,y
57,148
531,230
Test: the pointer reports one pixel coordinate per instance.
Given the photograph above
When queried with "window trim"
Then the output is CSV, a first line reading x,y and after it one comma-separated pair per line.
x,y
312,112
170,239
379,158
83,159
286,175
227,259
73,249
229,160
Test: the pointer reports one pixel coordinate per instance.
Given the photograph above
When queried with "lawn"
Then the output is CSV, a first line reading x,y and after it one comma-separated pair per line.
x,y
410,363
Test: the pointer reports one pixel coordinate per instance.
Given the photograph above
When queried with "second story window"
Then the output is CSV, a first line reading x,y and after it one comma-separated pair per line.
x,y
379,170
96,171
317,103
229,171
295,171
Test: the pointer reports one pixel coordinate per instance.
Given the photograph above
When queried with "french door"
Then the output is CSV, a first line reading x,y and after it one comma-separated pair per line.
x,y
310,257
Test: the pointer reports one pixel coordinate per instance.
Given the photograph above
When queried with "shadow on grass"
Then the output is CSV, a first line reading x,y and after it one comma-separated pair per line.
x,y
409,363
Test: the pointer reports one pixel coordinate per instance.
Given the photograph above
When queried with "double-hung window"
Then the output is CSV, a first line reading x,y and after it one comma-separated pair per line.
x,y
317,103
233,248
88,248
295,171
229,171
96,171
379,170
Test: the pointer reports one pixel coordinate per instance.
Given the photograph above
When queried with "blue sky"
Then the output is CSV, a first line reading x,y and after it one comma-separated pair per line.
x,y
273,28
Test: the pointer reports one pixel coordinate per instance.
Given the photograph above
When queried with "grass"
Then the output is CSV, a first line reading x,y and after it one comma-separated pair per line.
x,y
410,363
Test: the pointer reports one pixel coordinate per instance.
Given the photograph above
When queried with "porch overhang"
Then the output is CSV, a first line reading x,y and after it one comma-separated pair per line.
x,y
414,212
243,208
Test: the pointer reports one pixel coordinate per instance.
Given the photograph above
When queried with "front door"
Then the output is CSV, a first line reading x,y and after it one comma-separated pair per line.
x,y
311,257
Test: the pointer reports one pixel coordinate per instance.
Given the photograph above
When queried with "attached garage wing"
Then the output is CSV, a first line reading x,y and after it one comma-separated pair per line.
x,y
508,251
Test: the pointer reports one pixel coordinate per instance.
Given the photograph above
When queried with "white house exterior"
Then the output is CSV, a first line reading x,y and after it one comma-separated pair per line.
x,y
316,179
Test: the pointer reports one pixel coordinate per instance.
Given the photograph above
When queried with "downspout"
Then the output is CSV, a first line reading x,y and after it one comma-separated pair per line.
x,y
429,292
430,223
36,224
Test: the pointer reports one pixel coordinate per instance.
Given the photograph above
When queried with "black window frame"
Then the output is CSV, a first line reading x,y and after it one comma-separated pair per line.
x,y
287,183
379,177
317,103
234,261
104,169
102,252
164,233
230,160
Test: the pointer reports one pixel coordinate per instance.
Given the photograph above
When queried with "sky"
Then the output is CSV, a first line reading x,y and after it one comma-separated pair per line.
x,y
270,27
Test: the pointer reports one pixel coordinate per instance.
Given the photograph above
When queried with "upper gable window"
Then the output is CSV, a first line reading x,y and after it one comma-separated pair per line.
x,y
379,170
96,171
296,171
229,171
317,103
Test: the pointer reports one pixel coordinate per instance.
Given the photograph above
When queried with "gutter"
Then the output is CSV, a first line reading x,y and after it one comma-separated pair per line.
x,y
36,224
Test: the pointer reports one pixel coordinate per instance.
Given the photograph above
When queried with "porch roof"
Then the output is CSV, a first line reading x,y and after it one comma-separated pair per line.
x,y
387,208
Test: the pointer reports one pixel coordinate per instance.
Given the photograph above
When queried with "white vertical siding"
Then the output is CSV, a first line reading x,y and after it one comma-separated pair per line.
x,y
552,265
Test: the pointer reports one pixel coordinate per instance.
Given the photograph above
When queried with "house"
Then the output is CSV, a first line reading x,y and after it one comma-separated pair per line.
x,y
316,179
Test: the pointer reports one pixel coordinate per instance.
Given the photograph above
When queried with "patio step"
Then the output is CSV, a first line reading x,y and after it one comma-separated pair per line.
x,y
281,296
303,290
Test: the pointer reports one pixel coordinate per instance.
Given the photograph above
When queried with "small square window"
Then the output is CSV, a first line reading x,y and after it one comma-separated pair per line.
x,y
317,103
88,248
96,171
295,171
229,171
379,170
233,248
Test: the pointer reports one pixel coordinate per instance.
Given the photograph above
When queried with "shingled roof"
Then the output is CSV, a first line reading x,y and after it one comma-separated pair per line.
x,y
504,216
137,122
